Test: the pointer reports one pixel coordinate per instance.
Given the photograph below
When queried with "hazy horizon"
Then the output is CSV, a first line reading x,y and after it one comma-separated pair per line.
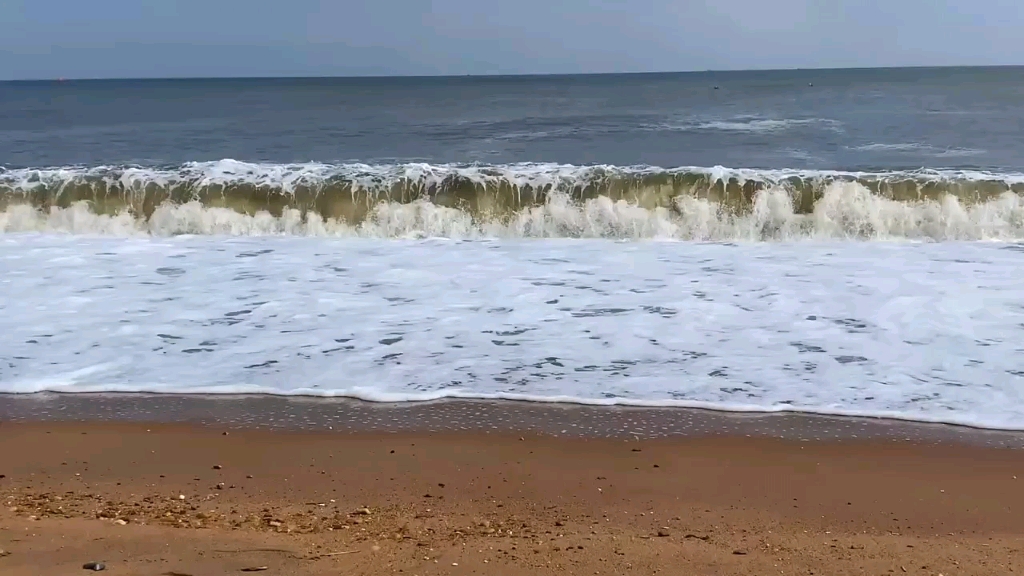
x,y
517,75
48,39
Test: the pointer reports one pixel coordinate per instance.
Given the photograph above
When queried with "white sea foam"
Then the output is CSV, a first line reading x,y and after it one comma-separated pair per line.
x,y
846,210
921,331
744,123
747,124
289,176
916,147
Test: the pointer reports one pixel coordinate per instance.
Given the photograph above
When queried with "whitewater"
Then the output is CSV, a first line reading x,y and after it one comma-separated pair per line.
x,y
523,200
928,331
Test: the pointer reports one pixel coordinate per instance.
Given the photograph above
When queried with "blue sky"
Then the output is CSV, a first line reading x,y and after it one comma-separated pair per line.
x,y
162,38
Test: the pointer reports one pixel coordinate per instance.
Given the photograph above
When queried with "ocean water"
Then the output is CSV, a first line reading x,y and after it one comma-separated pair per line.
x,y
843,242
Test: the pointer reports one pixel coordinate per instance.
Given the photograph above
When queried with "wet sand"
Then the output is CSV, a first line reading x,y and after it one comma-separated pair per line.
x,y
479,416
214,486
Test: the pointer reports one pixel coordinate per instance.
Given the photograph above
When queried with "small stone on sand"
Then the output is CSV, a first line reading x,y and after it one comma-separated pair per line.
x,y
217,466
94,566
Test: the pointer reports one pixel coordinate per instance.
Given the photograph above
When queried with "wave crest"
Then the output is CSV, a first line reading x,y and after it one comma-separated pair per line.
x,y
520,200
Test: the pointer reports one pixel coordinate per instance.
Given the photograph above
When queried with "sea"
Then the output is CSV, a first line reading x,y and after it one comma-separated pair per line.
x,y
830,241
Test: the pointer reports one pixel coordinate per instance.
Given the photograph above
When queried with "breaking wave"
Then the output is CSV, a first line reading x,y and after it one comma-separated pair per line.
x,y
514,200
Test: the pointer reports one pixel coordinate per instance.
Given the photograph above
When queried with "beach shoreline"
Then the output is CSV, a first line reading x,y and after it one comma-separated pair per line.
x,y
554,419
214,490
747,323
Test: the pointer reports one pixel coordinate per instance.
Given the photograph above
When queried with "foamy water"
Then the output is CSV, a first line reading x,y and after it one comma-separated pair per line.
x,y
924,331
513,201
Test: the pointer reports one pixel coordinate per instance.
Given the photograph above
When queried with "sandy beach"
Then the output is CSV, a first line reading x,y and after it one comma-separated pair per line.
x,y
176,498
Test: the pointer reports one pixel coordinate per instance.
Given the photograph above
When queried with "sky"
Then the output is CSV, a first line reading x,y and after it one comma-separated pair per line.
x,y
191,38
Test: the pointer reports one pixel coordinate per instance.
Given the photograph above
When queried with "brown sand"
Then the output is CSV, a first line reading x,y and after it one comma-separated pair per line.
x,y
305,502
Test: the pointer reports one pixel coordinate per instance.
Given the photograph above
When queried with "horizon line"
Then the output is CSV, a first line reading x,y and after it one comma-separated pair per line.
x,y
506,75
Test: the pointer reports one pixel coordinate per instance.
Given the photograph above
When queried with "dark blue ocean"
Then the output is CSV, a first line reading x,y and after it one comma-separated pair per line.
x,y
870,119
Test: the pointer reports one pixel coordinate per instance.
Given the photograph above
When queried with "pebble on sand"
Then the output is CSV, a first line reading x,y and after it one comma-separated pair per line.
x,y
94,566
